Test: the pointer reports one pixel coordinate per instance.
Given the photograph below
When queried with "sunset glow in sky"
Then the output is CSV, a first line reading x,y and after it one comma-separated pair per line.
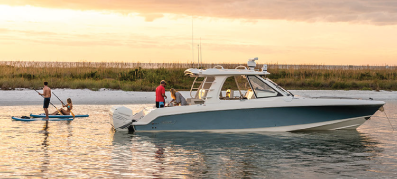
x,y
337,32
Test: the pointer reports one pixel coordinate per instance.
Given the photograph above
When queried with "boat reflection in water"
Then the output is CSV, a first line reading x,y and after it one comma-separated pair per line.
x,y
309,154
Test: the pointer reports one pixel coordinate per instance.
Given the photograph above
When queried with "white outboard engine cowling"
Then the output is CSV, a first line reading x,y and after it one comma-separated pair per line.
x,y
122,117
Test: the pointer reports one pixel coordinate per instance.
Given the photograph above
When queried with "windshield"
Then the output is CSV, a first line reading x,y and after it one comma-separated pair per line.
x,y
261,89
279,87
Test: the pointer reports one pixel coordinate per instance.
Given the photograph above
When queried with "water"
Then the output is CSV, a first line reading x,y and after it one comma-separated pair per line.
x,y
87,148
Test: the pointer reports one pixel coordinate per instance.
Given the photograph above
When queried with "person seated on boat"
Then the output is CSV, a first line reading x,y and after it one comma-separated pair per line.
x,y
177,98
68,106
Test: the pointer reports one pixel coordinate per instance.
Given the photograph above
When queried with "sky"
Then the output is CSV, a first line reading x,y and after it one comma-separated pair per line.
x,y
329,32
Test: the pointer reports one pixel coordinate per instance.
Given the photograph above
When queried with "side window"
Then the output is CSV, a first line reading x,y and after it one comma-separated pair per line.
x,y
245,87
231,89
261,89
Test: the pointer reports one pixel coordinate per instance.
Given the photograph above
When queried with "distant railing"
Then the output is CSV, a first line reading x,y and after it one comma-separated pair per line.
x,y
331,67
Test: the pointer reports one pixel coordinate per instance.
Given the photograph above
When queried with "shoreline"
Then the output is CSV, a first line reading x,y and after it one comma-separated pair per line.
x,y
22,97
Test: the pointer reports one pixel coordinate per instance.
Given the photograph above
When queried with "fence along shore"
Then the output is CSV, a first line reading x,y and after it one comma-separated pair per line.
x,y
187,65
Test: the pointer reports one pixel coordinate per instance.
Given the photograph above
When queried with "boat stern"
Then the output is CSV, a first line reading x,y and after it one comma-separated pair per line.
x,y
121,117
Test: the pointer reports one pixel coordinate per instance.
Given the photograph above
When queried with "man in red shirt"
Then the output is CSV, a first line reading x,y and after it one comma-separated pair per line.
x,y
160,94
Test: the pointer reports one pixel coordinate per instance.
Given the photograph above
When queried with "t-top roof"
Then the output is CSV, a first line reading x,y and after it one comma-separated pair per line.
x,y
193,72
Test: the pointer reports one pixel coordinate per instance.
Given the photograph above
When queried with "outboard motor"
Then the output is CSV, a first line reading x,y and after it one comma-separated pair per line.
x,y
122,118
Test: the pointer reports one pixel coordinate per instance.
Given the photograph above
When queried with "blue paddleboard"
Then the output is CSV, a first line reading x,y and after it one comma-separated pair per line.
x,y
56,116
40,119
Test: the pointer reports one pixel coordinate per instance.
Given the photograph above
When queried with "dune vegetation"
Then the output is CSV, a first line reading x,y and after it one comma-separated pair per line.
x,y
146,77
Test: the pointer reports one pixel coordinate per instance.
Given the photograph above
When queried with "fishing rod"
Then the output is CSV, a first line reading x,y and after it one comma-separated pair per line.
x,y
50,102
64,104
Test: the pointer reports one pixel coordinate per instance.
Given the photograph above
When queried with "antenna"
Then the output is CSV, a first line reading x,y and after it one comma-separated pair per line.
x,y
198,56
201,55
192,45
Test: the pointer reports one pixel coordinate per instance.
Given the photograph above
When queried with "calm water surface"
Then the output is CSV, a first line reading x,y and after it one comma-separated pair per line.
x,y
87,147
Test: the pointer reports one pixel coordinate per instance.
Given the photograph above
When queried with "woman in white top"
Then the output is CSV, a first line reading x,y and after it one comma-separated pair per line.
x,y
177,98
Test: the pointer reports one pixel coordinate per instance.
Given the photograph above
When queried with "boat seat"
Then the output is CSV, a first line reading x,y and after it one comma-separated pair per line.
x,y
192,101
249,94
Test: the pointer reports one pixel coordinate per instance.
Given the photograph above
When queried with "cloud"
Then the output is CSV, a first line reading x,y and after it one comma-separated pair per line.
x,y
132,40
149,17
379,12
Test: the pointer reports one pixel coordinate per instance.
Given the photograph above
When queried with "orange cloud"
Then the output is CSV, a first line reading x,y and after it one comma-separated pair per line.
x,y
93,39
358,11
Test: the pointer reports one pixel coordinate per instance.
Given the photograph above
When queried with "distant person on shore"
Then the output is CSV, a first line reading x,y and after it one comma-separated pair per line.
x,y
177,98
47,97
69,106
160,95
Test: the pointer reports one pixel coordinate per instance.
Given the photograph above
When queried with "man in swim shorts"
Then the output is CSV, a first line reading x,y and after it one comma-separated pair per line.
x,y
47,96
160,94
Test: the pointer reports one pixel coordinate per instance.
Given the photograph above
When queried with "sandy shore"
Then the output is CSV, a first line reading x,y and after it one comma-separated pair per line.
x,y
113,97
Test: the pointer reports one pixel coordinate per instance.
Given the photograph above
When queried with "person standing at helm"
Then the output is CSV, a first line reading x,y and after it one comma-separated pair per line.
x,y
160,94
47,96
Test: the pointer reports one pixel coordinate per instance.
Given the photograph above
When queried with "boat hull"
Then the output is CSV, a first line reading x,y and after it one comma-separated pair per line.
x,y
265,119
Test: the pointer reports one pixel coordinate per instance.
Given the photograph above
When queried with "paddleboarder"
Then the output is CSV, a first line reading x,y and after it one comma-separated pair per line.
x,y
68,106
47,96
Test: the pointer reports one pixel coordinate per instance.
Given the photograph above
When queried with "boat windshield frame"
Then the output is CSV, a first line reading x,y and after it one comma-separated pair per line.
x,y
279,92
288,93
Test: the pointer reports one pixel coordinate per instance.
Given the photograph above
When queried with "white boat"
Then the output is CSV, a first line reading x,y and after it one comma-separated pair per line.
x,y
254,104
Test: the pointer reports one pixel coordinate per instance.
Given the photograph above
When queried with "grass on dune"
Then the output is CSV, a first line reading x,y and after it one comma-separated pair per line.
x,y
146,77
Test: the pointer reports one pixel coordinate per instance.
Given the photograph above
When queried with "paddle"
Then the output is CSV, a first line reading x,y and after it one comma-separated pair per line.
x,y
50,102
64,104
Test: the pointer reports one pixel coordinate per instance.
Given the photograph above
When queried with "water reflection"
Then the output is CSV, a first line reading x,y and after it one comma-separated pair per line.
x,y
86,148
45,144
246,155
